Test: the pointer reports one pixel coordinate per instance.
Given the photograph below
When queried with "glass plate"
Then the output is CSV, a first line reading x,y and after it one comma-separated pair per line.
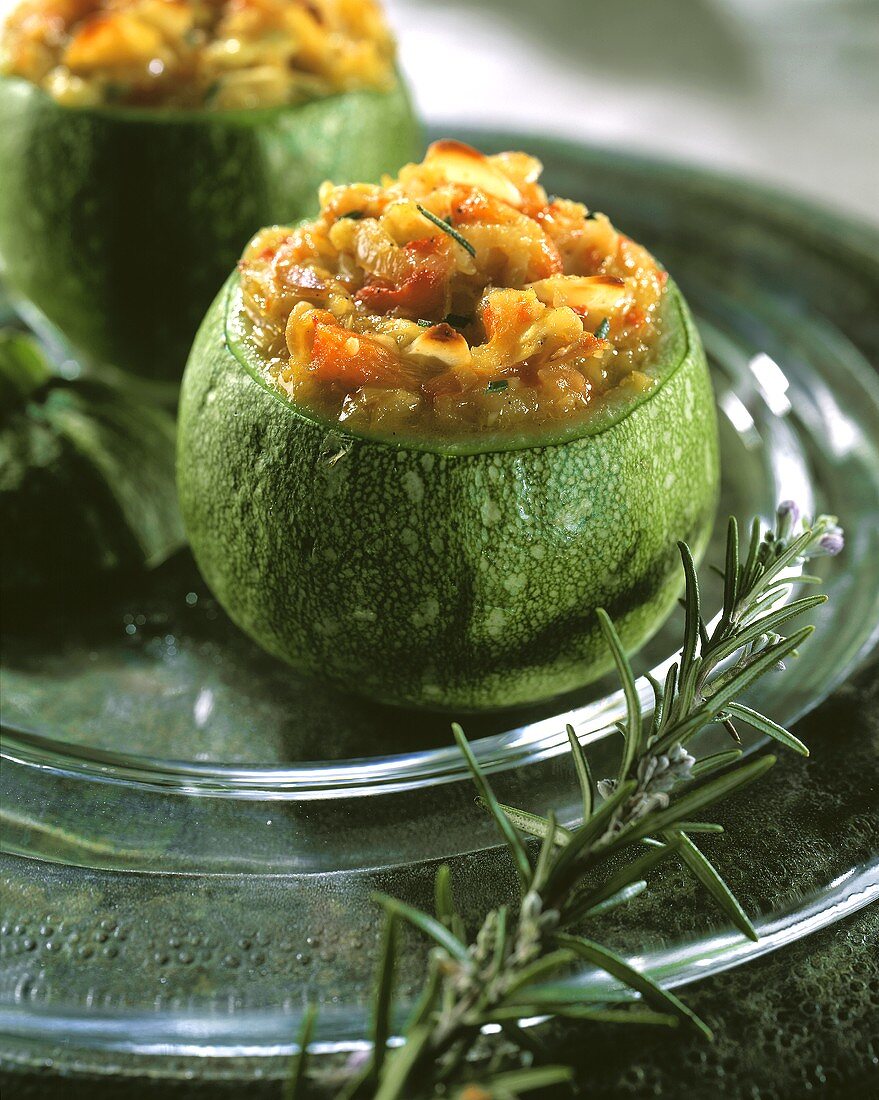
x,y
192,833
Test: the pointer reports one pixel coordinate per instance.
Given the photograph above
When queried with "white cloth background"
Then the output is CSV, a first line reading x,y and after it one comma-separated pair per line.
x,y
783,91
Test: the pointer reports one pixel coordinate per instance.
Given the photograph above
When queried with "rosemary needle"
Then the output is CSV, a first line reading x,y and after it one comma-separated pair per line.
x,y
448,229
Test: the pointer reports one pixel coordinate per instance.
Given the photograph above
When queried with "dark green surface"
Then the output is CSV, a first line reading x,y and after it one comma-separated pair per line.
x,y
119,224
425,578
86,477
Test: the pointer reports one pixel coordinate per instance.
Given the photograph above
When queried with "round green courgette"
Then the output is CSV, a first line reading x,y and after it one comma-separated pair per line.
x,y
428,575
119,224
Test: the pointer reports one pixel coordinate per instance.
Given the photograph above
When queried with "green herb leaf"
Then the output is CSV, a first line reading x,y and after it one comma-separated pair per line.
x,y
760,722
381,1025
621,897
715,762
539,970
618,882
708,875
584,774
401,1063
603,329
427,924
613,964
692,610
429,997
546,855
508,832
497,385
633,1015
518,1081
630,690
445,905
658,707
294,1086
446,228
731,573
534,825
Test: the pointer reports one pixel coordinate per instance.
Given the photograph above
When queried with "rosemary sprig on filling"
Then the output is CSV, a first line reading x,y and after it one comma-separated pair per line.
x,y
465,1032
448,229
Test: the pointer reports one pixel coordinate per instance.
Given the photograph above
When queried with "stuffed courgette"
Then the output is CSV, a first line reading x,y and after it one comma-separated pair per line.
x,y
425,436
142,143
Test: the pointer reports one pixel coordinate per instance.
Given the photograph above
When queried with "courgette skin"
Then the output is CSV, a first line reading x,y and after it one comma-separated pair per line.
x,y
447,581
120,224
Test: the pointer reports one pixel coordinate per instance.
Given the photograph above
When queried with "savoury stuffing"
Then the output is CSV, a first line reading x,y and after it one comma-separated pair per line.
x,y
214,54
458,297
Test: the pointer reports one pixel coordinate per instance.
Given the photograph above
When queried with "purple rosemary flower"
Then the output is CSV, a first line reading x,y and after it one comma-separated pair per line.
x,y
787,516
831,542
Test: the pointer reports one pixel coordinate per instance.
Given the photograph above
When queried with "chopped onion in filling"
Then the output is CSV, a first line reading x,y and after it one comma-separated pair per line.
x,y
458,297
219,54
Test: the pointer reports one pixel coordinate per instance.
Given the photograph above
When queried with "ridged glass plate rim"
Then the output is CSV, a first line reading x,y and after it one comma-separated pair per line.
x,y
267,1033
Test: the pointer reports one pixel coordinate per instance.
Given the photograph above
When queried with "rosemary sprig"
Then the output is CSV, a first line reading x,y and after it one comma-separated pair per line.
x,y
499,977
447,228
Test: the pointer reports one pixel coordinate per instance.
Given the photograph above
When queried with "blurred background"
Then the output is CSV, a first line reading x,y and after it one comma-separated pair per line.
x,y
783,91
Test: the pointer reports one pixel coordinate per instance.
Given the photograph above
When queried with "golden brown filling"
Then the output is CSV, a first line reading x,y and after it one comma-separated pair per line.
x,y
456,299
219,54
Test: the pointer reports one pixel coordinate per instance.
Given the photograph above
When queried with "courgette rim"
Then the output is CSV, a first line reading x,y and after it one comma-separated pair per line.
x,y
171,115
602,421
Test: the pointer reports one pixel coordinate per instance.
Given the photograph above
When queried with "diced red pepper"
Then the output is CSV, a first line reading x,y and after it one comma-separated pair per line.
x,y
339,355
421,294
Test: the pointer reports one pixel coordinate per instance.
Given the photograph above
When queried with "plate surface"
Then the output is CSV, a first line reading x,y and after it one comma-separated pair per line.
x,y
180,807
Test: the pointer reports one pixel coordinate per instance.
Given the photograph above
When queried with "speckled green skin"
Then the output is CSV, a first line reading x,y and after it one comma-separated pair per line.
x,y
464,581
120,224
